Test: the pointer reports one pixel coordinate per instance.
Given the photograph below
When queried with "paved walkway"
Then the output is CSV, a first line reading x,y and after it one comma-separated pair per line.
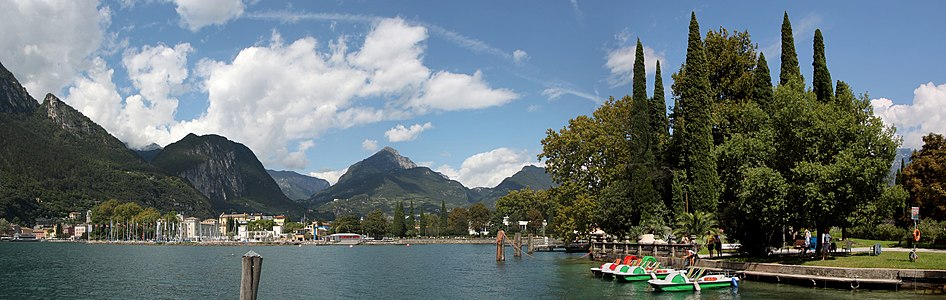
x,y
897,249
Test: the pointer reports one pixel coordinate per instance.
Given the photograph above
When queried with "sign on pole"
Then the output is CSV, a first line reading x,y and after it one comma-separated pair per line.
x,y
915,213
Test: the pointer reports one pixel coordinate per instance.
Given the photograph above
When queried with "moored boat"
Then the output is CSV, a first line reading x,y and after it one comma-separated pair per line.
x,y
692,280
646,269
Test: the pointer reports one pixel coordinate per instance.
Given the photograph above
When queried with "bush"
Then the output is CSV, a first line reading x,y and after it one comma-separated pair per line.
x,y
886,232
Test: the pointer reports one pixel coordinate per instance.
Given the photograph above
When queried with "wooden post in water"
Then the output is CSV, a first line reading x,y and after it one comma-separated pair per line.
x,y
249,279
500,236
530,245
517,245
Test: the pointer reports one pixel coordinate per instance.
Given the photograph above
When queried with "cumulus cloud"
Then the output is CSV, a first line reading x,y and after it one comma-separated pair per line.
x,y
452,91
276,98
402,134
329,175
488,169
519,56
621,63
46,44
195,14
369,145
926,114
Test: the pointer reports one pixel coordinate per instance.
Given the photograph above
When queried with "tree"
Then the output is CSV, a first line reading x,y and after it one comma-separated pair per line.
x,y
790,70
642,194
479,216
346,224
59,233
398,229
261,225
375,224
292,227
458,222
433,228
762,86
422,220
411,221
696,135
821,81
924,179
443,217
660,124
695,224
761,195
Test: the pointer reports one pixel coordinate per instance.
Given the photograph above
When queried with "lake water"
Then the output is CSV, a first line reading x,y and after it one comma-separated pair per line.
x,y
95,271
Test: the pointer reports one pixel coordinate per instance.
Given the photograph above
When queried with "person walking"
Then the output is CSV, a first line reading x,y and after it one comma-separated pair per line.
x,y
807,241
710,243
718,242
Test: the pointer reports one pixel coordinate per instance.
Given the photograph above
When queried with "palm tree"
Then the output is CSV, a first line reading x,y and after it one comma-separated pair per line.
x,y
696,223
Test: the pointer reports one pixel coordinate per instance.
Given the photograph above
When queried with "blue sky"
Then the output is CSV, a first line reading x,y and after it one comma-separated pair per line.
x,y
466,88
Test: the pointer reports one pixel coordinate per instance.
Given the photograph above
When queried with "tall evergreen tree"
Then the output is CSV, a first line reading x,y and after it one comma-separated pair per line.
x,y
762,89
643,196
397,225
422,220
443,217
790,69
842,93
658,119
411,221
821,81
697,139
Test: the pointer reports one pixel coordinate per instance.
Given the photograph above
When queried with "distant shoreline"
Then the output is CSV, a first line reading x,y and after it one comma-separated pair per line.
x,y
370,242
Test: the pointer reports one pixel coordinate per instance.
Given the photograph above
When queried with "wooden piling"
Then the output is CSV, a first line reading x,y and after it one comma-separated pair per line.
x,y
517,245
530,245
500,236
249,279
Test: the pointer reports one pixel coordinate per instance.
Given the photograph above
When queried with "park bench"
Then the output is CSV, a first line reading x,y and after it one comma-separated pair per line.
x,y
799,245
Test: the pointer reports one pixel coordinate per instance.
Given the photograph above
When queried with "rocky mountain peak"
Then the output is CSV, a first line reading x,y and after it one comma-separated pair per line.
x,y
13,96
386,160
68,118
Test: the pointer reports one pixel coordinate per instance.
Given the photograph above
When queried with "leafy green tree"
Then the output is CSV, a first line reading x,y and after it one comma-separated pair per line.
x,y
433,227
821,82
346,224
292,227
836,159
790,70
760,210
59,233
260,225
375,224
695,136
479,216
729,61
924,179
397,228
458,222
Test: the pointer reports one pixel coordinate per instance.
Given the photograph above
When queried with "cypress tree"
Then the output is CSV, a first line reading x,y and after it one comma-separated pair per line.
x,y
411,221
658,115
642,193
844,96
422,220
762,86
443,217
790,70
697,139
397,225
821,81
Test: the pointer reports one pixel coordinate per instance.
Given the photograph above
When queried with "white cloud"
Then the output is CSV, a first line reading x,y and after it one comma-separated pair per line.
x,y
329,175
402,134
275,98
47,43
451,91
926,114
196,14
519,56
369,145
557,92
488,169
621,63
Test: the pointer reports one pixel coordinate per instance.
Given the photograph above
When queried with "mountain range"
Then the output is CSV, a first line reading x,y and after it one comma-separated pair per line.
x,y
55,160
386,177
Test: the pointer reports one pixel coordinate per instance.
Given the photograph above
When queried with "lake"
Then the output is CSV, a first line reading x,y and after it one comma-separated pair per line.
x,y
98,271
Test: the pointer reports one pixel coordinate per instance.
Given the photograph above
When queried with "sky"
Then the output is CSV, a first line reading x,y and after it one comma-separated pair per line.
x,y
468,89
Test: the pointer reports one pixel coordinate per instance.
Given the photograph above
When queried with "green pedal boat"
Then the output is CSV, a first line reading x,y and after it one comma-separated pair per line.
x,y
647,269
692,281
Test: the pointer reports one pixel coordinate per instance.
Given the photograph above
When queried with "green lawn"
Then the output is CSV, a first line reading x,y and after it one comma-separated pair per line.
x,y
887,259
859,243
